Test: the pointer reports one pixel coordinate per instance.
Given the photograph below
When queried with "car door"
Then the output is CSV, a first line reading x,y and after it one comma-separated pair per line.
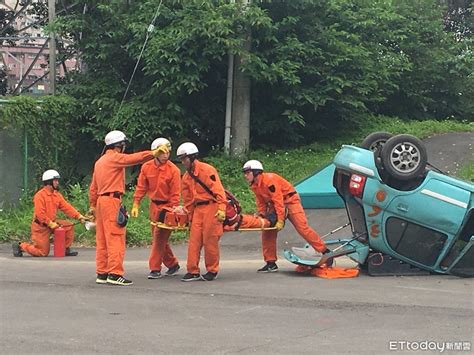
x,y
420,225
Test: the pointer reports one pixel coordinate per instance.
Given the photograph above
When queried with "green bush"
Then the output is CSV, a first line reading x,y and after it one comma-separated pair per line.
x,y
15,223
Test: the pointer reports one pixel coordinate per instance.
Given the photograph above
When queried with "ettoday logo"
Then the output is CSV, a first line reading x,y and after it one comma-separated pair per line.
x,y
429,345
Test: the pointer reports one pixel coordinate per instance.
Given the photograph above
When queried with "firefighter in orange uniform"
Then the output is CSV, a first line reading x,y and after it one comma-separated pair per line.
x,y
161,180
204,198
274,192
105,198
47,202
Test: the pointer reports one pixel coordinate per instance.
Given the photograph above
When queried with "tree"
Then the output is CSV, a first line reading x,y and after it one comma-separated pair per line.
x,y
439,78
314,66
318,68
179,87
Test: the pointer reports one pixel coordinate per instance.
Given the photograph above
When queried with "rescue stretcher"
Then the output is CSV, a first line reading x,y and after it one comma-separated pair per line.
x,y
163,225
177,220
354,248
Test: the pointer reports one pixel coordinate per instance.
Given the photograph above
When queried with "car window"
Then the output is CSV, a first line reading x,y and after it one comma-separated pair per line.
x,y
413,241
464,238
465,266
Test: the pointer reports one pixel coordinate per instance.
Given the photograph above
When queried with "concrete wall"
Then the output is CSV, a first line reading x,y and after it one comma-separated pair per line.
x,y
11,168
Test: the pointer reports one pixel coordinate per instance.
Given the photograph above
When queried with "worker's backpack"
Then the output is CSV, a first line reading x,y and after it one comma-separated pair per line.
x,y
233,209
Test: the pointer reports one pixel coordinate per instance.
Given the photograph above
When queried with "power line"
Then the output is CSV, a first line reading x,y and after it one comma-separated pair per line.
x,y
150,29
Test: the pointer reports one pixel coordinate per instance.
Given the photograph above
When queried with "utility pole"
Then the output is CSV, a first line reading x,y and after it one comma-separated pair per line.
x,y
229,97
52,48
240,139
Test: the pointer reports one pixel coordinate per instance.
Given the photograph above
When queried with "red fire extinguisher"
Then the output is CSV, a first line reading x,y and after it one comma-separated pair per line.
x,y
59,242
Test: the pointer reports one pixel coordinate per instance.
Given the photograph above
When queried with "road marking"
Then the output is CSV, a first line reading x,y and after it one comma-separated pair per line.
x,y
248,309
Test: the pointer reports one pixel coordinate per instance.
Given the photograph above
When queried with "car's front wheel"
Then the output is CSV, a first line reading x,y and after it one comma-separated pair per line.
x,y
375,141
404,157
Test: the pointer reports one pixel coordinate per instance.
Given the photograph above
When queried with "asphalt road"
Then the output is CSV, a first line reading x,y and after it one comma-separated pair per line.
x,y
449,152
52,305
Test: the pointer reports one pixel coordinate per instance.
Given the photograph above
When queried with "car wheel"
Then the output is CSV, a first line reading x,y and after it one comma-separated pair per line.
x,y
404,157
375,141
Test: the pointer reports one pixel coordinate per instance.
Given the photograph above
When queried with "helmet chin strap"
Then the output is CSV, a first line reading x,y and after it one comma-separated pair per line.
x,y
160,161
50,183
255,174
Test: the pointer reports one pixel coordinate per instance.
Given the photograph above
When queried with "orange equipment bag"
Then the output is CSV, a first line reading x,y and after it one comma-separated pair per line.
x,y
329,272
173,218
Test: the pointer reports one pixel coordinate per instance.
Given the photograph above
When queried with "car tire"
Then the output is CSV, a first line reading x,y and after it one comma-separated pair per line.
x,y
375,141
404,157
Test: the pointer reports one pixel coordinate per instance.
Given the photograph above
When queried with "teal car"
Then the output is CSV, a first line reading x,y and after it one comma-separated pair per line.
x,y
402,210
406,218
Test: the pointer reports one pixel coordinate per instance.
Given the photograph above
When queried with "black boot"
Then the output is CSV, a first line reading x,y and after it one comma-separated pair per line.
x,y
270,266
17,252
329,261
70,252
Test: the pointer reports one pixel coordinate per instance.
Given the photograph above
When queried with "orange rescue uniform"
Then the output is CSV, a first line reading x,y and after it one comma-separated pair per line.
x,y
273,191
162,184
46,204
206,230
107,187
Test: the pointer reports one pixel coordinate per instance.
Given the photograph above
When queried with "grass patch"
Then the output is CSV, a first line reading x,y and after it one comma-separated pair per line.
x,y
293,164
467,172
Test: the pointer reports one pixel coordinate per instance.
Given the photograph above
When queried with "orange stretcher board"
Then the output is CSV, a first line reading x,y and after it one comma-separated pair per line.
x,y
251,229
185,228
166,226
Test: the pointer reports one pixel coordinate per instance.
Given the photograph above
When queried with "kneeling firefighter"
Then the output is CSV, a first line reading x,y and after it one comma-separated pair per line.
x,y
47,202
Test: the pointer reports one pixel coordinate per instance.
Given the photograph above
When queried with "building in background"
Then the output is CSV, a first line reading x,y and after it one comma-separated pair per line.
x,y
28,42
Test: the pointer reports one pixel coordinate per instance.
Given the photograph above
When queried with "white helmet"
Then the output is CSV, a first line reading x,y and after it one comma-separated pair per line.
x,y
252,165
187,149
50,175
158,142
114,137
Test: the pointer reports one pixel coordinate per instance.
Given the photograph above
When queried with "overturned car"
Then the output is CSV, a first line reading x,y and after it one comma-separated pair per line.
x,y
404,215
